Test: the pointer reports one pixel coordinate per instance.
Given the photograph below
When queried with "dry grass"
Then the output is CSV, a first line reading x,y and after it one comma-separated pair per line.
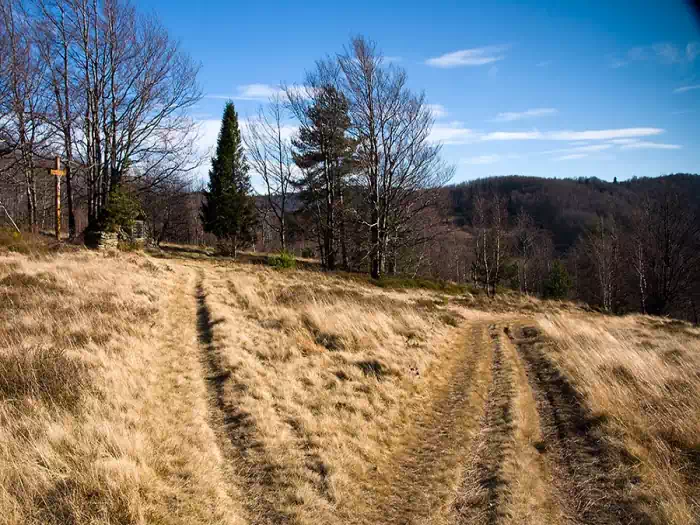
x,y
640,376
197,390
98,422
329,375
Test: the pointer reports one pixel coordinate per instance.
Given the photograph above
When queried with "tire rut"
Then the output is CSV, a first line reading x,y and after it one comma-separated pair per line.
x,y
584,467
235,430
423,476
496,445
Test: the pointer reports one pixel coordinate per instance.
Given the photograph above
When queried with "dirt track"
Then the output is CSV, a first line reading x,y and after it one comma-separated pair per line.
x,y
506,440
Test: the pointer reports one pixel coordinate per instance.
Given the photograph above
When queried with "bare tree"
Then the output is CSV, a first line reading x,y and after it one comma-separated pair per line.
x,y
490,223
270,155
602,245
396,161
127,109
667,251
25,128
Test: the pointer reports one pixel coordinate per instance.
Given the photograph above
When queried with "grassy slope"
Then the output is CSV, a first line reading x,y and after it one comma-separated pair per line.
x,y
136,390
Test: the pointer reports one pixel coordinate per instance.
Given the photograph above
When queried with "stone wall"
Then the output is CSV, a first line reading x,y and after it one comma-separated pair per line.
x,y
102,240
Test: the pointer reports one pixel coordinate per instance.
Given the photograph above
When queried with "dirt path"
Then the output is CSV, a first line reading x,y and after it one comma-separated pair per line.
x,y
589,476
506,440
419,482
505,480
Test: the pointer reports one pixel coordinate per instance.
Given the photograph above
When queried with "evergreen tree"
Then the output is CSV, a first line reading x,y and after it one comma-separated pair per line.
x,y
228,210
324,153
558,282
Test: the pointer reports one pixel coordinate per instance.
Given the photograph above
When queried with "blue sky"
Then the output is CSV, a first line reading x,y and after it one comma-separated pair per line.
x,y
555,89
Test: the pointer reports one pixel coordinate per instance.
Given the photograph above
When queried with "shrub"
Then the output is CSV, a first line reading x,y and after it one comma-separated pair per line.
x,y
121,212
308,253
282,260
558,282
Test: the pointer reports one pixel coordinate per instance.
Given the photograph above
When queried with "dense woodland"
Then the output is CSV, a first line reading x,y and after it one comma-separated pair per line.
x,y
359,187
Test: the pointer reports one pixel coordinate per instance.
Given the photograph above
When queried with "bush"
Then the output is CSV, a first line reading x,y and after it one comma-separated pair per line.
x,y
558,282
282,260
120,213
308,253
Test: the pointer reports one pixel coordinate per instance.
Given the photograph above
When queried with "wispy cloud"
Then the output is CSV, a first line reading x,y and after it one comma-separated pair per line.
x,y
513,135
481,159
455,133
583,149
664,52
437,110
477,56
572,156
622,141
683,89
650,145
452,133
259,92
604,134
530,113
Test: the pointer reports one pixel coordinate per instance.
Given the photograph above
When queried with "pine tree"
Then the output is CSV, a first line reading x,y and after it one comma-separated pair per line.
x,y
228,210
323,151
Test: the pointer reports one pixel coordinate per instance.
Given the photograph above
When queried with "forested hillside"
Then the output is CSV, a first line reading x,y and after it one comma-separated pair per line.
x,y
567,207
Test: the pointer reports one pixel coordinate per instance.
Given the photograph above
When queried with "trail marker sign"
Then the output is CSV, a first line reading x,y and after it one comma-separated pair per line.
x,y
58,173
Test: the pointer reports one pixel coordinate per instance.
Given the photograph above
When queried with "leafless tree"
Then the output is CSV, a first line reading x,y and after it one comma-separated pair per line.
x,y
269,153
133,86
602,245
490,223
396,161
56,40
25,129
666,251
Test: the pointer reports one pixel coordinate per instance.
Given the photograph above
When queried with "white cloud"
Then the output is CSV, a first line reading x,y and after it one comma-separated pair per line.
x,y
257,91
692,50
603,134
683,89
437,110
668,52
455,133
481,159
572,156
650,145
512,135
530,113
623,141
452,133
261,92
665,52
477,56
591,148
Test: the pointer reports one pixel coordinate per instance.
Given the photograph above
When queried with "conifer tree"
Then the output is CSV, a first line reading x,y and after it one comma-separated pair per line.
x,y
323,151
228,210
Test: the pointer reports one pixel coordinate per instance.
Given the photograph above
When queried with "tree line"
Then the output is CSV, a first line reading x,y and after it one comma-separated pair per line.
x,y
348,173
104,87
361,163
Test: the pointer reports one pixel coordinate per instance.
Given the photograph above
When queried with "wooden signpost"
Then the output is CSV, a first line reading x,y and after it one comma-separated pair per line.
x,y
58,173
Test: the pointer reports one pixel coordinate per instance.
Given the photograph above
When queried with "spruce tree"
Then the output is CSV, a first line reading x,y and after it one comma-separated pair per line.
x,y
228,210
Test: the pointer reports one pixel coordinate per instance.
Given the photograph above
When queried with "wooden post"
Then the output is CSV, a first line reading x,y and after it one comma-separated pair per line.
x,y
58,172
